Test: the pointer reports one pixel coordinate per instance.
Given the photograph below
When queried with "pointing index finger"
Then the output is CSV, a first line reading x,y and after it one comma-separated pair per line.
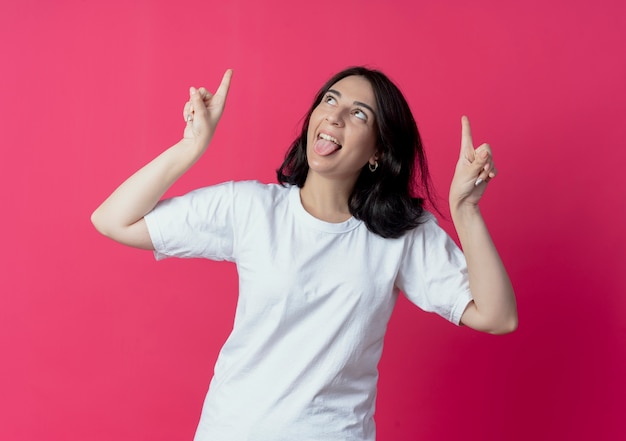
x,y
466,135
225,84
467,145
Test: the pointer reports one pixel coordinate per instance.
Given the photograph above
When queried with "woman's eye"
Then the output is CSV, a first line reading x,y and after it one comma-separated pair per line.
x,y
360,114
330,100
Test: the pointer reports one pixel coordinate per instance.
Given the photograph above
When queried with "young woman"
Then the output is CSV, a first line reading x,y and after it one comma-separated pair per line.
x,y
321,257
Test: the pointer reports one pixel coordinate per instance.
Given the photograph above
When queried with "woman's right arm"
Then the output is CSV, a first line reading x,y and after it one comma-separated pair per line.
x,y
121,215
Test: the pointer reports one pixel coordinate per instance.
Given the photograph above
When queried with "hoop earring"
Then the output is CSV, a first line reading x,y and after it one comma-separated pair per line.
x,y
374,167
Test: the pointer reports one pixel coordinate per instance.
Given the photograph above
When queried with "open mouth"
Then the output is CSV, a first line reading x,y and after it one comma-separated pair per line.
x,y
326,145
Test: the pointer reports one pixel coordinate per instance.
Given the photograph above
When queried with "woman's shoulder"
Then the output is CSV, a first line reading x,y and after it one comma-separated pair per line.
x,y
428,225
256,193
249,191
256,188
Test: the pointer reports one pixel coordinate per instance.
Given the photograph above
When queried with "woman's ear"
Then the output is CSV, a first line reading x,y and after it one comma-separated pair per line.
x,y
373,162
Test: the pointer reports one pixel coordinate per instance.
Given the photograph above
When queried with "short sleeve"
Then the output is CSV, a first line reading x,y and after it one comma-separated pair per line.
x,y
198,224
433,273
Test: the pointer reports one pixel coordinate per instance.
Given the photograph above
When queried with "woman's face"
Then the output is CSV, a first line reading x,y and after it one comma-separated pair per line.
x,y
342,131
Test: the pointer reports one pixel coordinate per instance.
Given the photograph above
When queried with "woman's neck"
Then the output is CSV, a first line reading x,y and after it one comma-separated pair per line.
x,y
326,199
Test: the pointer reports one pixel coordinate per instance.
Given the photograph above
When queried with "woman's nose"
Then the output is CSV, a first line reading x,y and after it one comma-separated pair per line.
x,y
335,117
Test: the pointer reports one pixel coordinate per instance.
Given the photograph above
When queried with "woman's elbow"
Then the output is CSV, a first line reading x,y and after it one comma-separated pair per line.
x,y
135,235
98,220
504,326
498,321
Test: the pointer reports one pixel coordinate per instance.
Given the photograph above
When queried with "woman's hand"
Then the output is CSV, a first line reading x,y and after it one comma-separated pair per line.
x,y
474,170
203,111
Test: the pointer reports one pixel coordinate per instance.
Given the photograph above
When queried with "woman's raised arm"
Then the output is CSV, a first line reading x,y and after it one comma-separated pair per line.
x,y
494,307
120,216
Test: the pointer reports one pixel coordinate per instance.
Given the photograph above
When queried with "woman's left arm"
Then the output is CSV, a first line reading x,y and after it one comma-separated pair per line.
x,y
494,308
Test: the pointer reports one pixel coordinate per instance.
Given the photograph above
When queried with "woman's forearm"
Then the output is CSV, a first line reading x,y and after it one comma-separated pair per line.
x,y
494,308
132,200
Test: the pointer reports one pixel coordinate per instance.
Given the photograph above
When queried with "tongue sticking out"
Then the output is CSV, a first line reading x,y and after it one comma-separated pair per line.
x,y
324,147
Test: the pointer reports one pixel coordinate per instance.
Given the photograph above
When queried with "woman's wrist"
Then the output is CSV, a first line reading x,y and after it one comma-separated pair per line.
x,y
193,147
463,213
464,208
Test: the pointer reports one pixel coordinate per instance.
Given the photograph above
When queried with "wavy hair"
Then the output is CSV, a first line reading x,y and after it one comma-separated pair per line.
x,y
390,201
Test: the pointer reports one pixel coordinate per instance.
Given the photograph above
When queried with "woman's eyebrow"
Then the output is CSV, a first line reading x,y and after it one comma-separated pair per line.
x,y
358,103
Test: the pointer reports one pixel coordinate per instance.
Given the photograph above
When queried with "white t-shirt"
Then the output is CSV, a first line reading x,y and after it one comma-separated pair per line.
x,y
314,302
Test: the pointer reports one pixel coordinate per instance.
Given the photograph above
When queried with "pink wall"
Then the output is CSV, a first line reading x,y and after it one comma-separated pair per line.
x,y
100,342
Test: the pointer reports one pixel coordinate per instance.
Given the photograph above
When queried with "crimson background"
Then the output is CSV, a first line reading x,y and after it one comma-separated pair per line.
x,y
100,342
